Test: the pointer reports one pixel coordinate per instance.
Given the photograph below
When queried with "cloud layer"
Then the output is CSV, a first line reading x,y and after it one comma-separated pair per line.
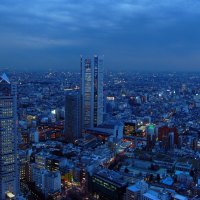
x,y
139,34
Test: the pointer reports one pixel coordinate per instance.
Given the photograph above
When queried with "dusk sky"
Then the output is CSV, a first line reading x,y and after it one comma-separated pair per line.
x,y
131,34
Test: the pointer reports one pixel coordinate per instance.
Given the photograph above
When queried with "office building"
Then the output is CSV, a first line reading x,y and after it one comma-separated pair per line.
x,y
22,165
55,163
92,91
129,128
164,132
48,182
72,115
107,184
37,175
40,159
52,184
9,175
52,164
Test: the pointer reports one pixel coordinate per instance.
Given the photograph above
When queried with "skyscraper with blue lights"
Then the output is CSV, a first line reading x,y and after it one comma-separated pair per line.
x,y
92,91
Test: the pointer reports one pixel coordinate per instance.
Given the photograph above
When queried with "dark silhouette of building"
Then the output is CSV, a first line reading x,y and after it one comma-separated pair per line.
x,y
73,115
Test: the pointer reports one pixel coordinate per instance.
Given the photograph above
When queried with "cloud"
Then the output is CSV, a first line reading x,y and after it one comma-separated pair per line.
x,y
138,27
83,14
37,42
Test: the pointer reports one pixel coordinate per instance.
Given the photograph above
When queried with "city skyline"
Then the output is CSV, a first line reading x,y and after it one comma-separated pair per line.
x,y
139,35
145,144
99,100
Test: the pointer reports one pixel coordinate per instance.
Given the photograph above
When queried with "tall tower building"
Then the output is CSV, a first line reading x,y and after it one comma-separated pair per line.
x,y
72,115
92,91
9,175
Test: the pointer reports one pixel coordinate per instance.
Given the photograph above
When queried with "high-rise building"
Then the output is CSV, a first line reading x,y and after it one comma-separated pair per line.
x,y
9,175
72,115
92,91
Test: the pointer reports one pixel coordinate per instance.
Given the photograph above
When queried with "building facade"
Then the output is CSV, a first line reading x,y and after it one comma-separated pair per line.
x,y
92,91
107,184
73,122
9,175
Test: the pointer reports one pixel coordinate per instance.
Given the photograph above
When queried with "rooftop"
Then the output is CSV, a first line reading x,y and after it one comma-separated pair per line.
x,y
4,77
112,177
151,195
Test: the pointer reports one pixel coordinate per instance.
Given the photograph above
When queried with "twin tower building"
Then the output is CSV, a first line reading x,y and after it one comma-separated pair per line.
x,y
84,107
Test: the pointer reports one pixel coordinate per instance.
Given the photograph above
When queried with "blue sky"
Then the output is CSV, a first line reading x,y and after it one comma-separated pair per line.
x,y
131,34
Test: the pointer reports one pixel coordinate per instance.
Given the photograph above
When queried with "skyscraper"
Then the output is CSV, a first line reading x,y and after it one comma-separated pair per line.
x,y
9,176
92,91
72,115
